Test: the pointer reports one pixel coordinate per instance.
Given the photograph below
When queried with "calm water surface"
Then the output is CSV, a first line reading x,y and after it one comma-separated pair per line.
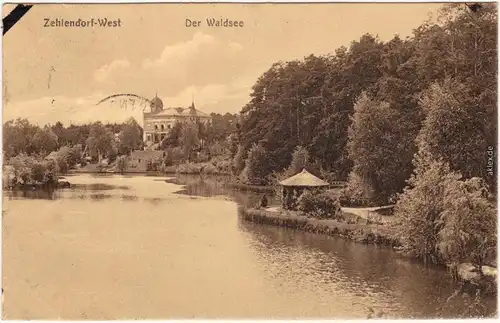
x,y
118,247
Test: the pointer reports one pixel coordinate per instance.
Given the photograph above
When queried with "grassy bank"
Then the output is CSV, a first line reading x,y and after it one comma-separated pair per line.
x,y
364,233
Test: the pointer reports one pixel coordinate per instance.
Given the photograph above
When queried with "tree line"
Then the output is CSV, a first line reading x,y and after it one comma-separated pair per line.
x,y
363,112
35,154
22,137
32,146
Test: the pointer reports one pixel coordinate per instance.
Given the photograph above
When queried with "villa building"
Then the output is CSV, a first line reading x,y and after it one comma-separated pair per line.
x,y
159,121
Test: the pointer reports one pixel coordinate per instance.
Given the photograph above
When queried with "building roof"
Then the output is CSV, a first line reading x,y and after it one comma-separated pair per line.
x,y
156,104
304,178
181,112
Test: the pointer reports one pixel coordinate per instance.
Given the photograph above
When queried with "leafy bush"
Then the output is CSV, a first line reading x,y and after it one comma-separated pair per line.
x,y
188,168
357,192
8,176
239,160
66,157
189,139
63,166
28,169
257,166
419,209
202,157
224,166
177,155
320,205
468,223
445,219
168,160
216,149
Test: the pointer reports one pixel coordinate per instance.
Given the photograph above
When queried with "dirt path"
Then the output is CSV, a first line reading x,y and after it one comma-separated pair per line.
x,y
368,212
361,212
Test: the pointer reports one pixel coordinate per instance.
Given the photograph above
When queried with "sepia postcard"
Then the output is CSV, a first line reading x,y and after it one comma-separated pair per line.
x,y
249,161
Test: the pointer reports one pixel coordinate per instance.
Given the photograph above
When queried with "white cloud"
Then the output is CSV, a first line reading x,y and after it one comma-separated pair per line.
x,y
106,70
200,61
235,46
203,96
180,51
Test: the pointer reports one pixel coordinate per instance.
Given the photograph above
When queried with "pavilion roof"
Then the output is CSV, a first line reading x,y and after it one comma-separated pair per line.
x,y
304,178
181,112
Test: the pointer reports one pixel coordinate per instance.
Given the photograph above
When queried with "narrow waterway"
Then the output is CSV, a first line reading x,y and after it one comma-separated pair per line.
x,y
142,247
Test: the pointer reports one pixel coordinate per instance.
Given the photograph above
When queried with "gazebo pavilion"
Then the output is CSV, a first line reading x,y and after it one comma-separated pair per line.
x,y
294,186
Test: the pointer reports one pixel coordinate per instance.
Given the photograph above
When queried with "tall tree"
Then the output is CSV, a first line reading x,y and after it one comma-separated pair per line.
x,y
173,137
456,129
100,141
420,207
17,136
256,166
130,136
374,143
44,141
189,139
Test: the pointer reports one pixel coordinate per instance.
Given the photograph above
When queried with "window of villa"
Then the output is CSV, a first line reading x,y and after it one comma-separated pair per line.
x,y
156,127
162,127
169,126
139,160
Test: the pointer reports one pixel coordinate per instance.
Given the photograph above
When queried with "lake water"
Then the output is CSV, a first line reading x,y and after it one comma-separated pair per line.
x,y
142,247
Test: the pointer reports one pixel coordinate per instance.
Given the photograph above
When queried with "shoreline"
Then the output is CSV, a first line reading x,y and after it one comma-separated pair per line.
x,y
361,233
373,234
231,183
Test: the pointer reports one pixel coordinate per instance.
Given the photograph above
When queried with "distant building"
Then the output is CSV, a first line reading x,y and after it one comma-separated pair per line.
x,y
140,159
159,121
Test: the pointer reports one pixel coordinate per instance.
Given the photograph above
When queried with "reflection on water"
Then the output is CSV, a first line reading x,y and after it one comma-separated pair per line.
x,y
209,186
373,275
139,247
98,187
189,185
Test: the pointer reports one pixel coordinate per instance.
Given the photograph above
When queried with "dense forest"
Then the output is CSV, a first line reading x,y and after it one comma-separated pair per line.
x,y
363,113
410,122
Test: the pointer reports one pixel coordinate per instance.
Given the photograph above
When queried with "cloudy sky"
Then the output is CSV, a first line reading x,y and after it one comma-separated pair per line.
x,y
55,73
